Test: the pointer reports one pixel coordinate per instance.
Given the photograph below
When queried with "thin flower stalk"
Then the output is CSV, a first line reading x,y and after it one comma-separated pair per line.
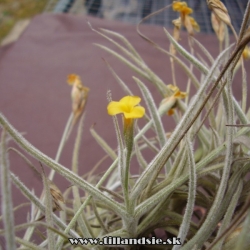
x,y
83,225
127,106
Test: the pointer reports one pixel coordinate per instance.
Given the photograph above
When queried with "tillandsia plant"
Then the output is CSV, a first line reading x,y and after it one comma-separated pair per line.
x,y
195,192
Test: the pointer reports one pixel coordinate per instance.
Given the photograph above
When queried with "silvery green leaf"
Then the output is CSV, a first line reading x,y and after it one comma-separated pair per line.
x,y
204,50
243,240
229,214
160,159
30,245
243,140
119,80
125,41
48,211
140,158
187,217
125,61
153,112
123,49
103,144
69,175
7,207
33,198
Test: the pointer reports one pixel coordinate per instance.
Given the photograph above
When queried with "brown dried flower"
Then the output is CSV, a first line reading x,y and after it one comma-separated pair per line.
x,y
79,95
56,195
219,10
218,26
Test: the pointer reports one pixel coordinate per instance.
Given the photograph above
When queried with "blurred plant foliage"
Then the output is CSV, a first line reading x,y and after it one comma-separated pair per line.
x,y
11,11
195,188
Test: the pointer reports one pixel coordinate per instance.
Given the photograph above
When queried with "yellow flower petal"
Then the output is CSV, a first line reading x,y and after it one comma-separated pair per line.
x,y
127,106
130,100
115,108
173,87
177,93
180,94
137,112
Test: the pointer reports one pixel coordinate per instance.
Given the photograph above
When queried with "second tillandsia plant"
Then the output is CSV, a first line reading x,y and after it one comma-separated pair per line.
x,y
195,192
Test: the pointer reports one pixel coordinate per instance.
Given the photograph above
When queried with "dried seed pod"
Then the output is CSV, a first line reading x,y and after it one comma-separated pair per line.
x,y
79,95
218,26
188,25
56,196
176,34
194,24
177,26
170,101
219,10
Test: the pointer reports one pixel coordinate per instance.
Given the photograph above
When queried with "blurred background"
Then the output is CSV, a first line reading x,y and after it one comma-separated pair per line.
x,y
132,11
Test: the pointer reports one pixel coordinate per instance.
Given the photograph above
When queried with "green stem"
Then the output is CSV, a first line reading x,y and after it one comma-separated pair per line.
x,y
131,223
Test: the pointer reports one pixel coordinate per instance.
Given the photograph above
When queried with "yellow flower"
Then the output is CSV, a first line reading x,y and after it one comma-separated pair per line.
x,y
186,20
127,106
246,53
181,7
170,102
177,93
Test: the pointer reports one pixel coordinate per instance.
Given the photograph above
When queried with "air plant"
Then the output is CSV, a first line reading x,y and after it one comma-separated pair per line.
x,y
195,192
